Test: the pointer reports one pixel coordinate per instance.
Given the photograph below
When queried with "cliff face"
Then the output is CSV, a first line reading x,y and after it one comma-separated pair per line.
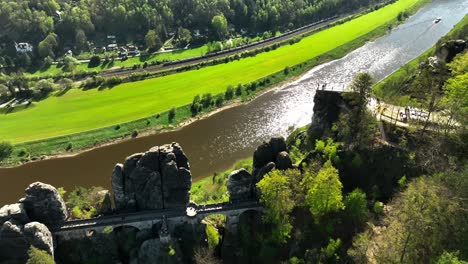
x,y
157,179
327,107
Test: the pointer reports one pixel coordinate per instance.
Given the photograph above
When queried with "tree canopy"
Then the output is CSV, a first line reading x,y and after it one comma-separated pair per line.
x,y
324,194
277,198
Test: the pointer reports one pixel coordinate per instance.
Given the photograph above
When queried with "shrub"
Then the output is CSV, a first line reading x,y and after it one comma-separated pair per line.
x,y
172,114
239,90
207,100
94,61
112,81
22,152
43,88
47,62
219,101
378,207
85,201
229,94
196,106
117,127
212,235
37,256
6,148
69,146
66,83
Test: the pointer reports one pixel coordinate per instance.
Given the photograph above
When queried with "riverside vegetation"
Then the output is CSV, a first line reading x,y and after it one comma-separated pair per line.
x,y
98,102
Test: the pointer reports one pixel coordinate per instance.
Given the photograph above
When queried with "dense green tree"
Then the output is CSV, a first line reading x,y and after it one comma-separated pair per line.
x,y
220,26
356,206
81,40
357,128
278,201
4,91
70,64
423,221
184,36
47,46
456,93
362,85
153,42
450,258
324,192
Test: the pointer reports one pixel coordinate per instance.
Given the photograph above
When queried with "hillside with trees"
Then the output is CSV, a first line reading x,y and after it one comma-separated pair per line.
x,y
53,27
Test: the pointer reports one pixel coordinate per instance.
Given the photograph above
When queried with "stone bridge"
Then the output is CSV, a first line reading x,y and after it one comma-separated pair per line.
x,y
146,219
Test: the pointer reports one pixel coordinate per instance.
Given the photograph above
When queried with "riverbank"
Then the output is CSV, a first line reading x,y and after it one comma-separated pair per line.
x,y
93,138
390,88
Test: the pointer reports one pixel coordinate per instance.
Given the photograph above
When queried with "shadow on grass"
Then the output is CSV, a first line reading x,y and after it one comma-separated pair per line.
x,y
62,92
15,109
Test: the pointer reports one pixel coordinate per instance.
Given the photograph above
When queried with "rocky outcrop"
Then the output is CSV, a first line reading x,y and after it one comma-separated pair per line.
x,y
39,236
327,106
149,251
15,240
270,155
283,161
159,178
13,211
240,185
44,204
447,51
267,157
105,207
267,152
259,173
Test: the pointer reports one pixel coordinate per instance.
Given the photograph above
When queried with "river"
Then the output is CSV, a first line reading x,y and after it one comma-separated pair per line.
x,y
215,143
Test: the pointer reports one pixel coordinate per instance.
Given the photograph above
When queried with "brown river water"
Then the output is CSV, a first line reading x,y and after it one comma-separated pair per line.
x,y
215,143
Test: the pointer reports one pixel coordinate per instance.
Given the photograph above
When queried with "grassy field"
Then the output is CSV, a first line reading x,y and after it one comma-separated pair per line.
x,y
78,110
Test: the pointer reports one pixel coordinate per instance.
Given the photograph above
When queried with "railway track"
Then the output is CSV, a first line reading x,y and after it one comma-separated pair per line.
x,y
223,54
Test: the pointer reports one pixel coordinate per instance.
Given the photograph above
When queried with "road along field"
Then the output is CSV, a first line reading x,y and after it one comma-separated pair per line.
x,y
79,110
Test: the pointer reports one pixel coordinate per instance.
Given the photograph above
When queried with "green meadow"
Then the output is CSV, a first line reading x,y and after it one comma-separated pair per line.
x,y
79,110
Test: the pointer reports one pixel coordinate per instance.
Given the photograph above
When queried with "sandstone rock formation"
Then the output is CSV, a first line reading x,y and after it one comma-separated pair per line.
x,y
240,185
159,178
39,236
15,240
25,223
269,156
283,161
447,51
44,204
13,211
149,251
327,106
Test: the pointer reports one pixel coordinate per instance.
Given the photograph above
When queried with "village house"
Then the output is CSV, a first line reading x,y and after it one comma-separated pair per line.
x,y
23,47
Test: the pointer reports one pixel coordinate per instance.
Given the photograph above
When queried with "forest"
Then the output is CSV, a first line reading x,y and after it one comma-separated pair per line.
x,y
53,27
